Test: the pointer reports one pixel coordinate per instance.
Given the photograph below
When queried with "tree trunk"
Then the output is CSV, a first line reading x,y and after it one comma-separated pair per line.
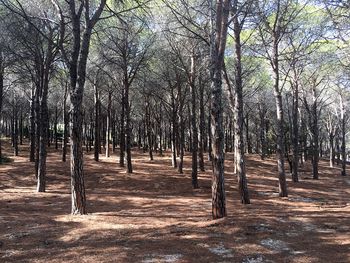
x,y
108,128
173,134
331,149
2,69
55,127
15,129
122,132
41,183
97,143
280,125
315,133
343,142
194,126
217,61
295,133
128,128
65,125
240,158
32,126
149,130
201,125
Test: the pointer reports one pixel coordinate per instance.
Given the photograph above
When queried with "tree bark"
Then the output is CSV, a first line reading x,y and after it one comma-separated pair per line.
x,y
108,128
280,123
343,142
295,133
97,143
239,152
194,126
217,60
201,125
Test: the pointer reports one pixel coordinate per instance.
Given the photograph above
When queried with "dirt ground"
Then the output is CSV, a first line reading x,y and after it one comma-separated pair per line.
x,y
154,215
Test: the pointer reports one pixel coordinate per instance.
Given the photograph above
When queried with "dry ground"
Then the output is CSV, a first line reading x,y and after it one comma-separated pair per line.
x,y
154,215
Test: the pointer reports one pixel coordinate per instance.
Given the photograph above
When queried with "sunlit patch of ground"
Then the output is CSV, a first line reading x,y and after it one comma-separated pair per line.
x,y
154,215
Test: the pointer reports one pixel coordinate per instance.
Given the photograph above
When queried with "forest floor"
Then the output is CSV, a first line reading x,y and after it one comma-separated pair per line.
x,y
154,215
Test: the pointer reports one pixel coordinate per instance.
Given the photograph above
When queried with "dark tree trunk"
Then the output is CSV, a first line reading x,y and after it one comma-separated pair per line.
x,y
217,61
41,184
128,127
160,131
97,143
55,128
173,133
331,149
343,142
15,129
316,149
65,125
295,133
194,126
108,124
122,132
149,130
201,125
32,126
263,142
20,127
2,69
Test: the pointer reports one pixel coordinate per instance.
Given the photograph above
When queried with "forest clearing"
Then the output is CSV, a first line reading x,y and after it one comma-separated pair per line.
x,y
154,215
175,131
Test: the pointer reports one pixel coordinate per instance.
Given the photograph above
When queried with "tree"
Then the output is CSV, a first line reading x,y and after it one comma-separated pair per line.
x,y
218,45
76,56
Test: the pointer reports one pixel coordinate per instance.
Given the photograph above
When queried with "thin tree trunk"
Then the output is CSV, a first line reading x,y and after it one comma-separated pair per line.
x,y
295,134
55,128
65,125
128,127
194,126
201,126
240,158
108,128
343,143
97,143
32,126
122,132
280,125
